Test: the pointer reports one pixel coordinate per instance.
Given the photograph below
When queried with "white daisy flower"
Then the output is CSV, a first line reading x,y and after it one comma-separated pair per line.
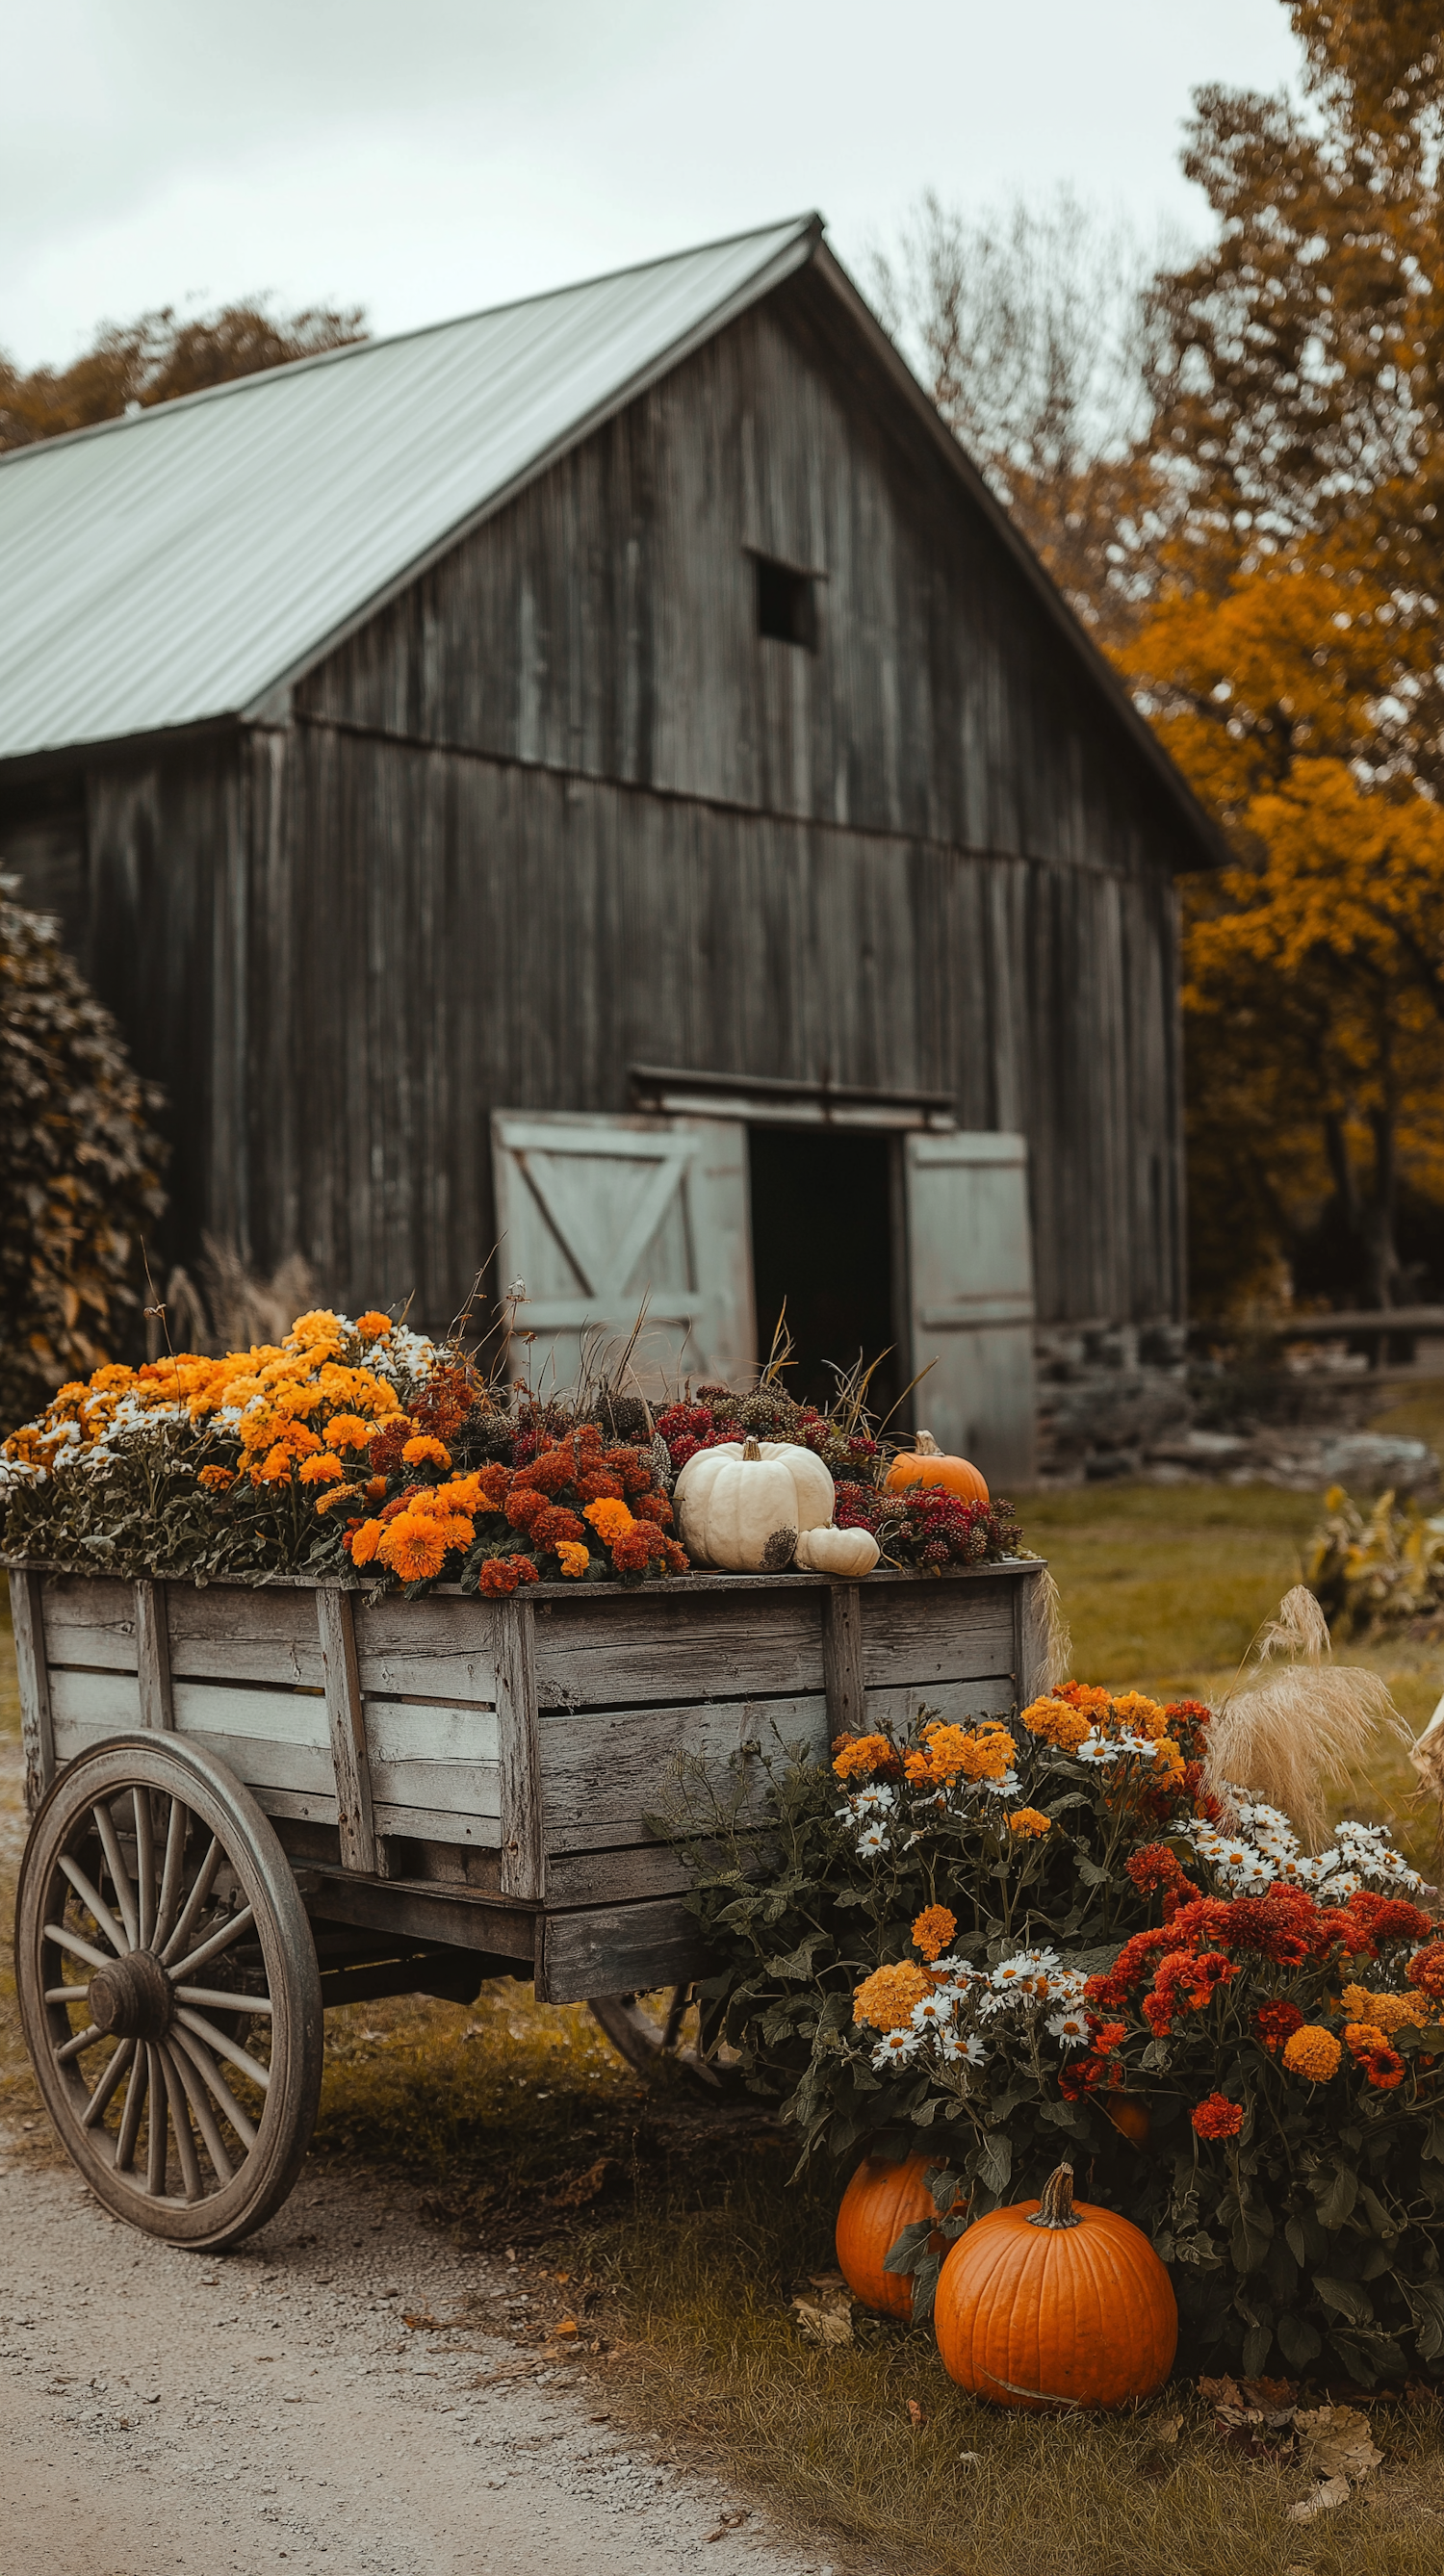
x,y
896,2048
872,1843
954,2048
1097,1748
932,2013
1071,2028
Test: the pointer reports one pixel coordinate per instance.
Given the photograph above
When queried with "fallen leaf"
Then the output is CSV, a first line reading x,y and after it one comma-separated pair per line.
x,y
727,2522
1166,2429
1334,2491
824,2313
916,2417
580,2188
1220,2392
1336,2442
1271,2396
568,2326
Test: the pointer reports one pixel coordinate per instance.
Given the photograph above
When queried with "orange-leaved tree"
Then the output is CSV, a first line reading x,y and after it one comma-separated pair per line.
x,y
157,357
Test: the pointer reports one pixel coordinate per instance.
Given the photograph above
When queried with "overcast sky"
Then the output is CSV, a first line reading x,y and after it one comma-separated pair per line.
x,y
431,157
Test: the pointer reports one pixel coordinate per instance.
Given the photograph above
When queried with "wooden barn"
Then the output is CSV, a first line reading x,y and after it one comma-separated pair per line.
x,y
602,783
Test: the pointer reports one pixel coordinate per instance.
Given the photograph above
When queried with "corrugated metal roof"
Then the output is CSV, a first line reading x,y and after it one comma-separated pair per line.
x,y
179,564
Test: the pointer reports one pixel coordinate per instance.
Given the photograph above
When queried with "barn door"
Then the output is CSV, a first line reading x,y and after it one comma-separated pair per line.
x,y
594,1214
970,1260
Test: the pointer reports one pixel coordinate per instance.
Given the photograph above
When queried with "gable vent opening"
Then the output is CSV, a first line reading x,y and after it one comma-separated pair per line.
x,y
786,603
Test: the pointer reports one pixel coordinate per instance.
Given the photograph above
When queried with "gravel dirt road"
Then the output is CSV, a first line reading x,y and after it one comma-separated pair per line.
x,y
271,2410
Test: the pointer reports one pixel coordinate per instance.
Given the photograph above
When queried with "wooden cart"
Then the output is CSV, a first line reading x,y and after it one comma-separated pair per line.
x,y
251,1802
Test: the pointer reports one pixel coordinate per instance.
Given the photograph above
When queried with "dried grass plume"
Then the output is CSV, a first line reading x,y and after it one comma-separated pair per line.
x,y
1287,1728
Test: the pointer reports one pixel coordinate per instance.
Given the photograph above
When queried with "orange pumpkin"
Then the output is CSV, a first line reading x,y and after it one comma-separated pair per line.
x,y
1054,2302
1130,2116
927,1464
879,2202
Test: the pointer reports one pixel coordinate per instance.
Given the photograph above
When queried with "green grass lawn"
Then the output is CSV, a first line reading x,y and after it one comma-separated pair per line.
x,y
507,2114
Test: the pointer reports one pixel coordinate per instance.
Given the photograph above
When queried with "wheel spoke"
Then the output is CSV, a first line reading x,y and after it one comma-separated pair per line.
x,y
231,1930
213,1996
64,1939
144,1862
211,2076
185,2144
119,1874
82,2039
94,1903
206,2030
108,2082
194,1901
157,2135
130,2116
69,1994
187,2076
175,1852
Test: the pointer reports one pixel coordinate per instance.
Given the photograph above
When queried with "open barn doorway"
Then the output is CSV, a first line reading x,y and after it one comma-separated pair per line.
x,y
823,1241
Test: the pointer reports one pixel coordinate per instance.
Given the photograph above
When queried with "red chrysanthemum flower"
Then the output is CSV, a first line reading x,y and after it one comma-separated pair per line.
x,y
1217,2117
1276,2023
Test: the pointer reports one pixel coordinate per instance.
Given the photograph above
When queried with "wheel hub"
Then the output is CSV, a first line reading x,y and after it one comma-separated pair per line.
x,y
133,1997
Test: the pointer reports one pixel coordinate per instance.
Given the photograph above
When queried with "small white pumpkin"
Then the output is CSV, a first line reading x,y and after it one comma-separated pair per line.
x,y
849,1552
742,1504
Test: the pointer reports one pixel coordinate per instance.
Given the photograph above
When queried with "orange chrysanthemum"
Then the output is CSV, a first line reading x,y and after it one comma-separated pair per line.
x,y
424,1451
983,1752
608,1517
1387,2012
865,1754
573,1556
933,1930
1055,1723
1029,1822
217,1480
366,1542
335,1494
373,1327
348,1431
321,1471
885,2000
1313,2052
413,1547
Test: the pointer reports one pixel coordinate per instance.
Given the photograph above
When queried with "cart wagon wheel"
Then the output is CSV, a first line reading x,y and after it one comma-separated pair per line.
x,y
169,1991
636,2037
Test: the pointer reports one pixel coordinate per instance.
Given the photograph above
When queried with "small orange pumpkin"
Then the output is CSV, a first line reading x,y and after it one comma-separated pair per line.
x,y
1056,2302
926,1464
879,2202
1130,2116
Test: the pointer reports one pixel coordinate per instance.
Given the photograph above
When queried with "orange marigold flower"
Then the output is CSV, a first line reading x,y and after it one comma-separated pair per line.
x,y
1217,2117
504,1573
1313,2052
573,1556
372,1326
933,1930
348,1431
1361,2038
423,1451
608,1517
1029,1822
413,1547
885,2000
216,1480
1384,2067
366,1541
984,1752
1107,2036
321,1471
1054,1722
336,1494
275,1467
1276,2023
864,1753
1143,1716
1388,2012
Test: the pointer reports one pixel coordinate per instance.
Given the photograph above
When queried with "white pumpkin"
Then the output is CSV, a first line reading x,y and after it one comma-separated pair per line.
x,y
742,1504
849,1552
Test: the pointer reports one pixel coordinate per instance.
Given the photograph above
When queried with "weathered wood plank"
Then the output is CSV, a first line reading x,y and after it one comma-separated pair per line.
x,y
602,1771
346,1718
938,1631
460,1789
578,1878
249,1709
842,1658
409,1730
450,1654
523,1855
470,1923
956,1703
89,1619
477,1832
671,1647
229,1632
27,1614
617,1950
107,1703
152,1656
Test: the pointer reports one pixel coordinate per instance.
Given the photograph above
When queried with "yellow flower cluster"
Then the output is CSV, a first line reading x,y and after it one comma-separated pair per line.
x,y
1068,1723
862,1753
885,2000
1055,1722
1314,2052
1387,2012
983,1752
297,1401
